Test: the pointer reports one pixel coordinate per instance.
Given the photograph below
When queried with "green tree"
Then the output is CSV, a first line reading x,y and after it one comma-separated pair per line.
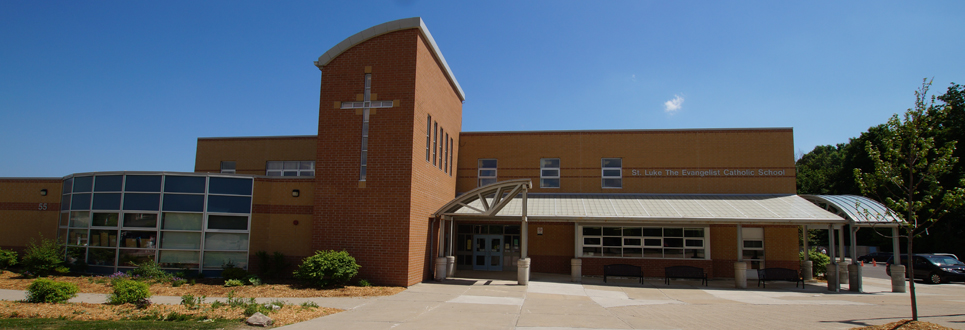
x,y
908,166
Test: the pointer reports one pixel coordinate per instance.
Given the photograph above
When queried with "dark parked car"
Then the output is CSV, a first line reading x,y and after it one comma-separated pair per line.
x,y
934,268
876,256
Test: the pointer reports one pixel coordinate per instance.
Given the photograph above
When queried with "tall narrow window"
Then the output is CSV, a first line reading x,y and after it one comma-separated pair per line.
x,y
612,169
363,161
435,141
428,135
450,156
445,168
549,173
487,172
228,167
441,143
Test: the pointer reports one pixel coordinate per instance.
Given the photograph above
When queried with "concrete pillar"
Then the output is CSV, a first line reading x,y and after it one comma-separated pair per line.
x,y
832,276
843,274
807,270
441,268
450,266
740,275
897,278
576,270
522,271
854,278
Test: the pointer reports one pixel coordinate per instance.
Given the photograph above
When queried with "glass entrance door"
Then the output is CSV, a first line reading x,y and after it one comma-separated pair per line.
x,y
487,252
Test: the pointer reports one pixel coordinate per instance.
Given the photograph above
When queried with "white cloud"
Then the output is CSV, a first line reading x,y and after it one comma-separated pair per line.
x,y
672,106
633,77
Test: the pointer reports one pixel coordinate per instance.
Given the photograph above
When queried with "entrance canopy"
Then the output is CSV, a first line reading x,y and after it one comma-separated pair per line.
x,y
860,211
495,203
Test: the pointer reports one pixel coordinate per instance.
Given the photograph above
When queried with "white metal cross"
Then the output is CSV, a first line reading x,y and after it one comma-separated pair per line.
x,y
366,105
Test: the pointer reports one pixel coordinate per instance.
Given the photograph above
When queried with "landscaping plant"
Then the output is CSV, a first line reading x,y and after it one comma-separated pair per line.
x,y
129,291
45,258
44,290
7,258
327,268
819,261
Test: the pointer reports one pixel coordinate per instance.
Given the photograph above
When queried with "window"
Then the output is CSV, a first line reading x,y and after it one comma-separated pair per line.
x,y
428,135
450,155
435,141
441,146
752,246
228,167
645,242
292,168
612,169
445,168
549,173
487,172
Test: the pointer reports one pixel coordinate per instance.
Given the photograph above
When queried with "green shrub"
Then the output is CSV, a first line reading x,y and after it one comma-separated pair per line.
x,y
327,268
230,272
44,259
44,290
364,283
178,282
149,270
191,302
7,258
129,291
819,261
231,283
253,280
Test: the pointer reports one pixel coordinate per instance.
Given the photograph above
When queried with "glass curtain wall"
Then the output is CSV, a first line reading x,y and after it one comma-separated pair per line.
x,y
196,222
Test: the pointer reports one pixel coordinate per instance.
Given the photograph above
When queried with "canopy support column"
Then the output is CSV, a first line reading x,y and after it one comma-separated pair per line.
x,y
740,267
842,264
522,266
854,269
831,272
806,266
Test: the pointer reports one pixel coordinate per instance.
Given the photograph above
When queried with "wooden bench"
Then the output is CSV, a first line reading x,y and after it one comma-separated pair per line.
x,y
690,272
622,270
779,274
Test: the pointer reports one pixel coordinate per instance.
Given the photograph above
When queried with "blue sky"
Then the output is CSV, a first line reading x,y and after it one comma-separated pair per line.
x,y
131,85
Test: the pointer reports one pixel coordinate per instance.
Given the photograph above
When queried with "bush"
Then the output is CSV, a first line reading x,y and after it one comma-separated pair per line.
x,y
364,283
819,261
44,290
269,266
7,258
149,270
233,282
44,259
327,268
230,272
129,291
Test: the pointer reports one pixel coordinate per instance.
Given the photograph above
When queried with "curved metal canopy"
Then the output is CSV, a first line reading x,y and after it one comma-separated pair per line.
x,y
859,210
486,200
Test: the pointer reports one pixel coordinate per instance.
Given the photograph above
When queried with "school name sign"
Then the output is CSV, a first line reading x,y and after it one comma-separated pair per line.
x,y
761,172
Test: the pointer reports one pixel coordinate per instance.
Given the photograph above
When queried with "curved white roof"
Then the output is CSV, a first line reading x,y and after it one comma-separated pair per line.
x,y
388,27
861,211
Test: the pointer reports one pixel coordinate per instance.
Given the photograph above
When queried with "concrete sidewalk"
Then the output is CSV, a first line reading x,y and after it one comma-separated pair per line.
x,y
552,302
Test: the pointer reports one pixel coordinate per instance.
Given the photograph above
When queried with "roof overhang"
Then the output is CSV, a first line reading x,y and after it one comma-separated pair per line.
x,y
644,208
858,210
389,27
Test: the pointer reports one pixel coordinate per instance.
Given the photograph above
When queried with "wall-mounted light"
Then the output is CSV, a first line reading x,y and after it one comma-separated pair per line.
x,y
295,222
43,192
295,192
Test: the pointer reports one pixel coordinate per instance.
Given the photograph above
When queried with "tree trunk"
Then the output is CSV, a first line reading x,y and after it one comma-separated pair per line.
x,y
911,278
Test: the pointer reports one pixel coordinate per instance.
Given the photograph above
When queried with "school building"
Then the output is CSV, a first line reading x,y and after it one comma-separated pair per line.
x,y
391,178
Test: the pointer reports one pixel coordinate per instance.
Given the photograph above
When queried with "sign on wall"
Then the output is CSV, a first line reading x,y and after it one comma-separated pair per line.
x,y
726,172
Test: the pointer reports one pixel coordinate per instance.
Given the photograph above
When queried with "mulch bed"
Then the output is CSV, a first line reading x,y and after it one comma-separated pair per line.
x,y
905,325
208,287
203,287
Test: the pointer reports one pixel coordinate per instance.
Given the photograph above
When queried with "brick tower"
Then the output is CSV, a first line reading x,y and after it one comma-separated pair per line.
x,y
390,113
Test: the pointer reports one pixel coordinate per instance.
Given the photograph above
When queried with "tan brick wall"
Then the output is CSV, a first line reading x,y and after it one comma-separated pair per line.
x,y
21,214
781,247
274,216
580,153
251,154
